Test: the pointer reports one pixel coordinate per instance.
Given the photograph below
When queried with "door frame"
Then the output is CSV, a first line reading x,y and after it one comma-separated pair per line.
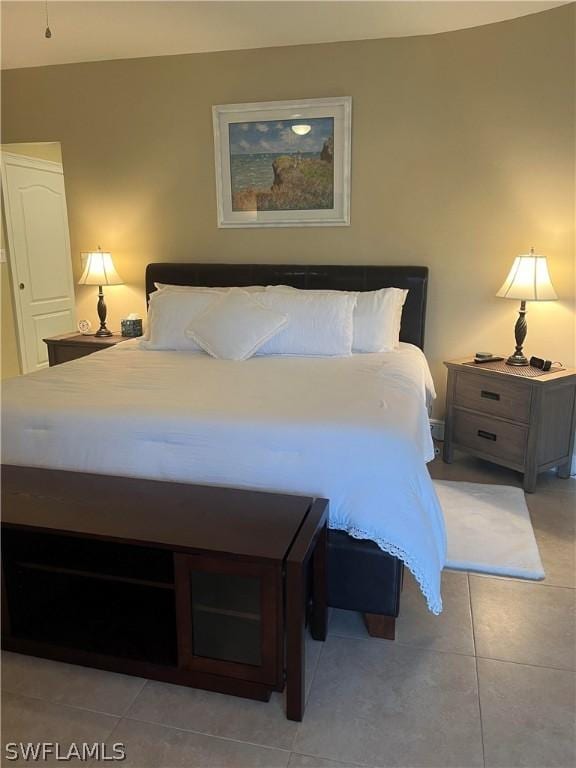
x,y
36,163
10,279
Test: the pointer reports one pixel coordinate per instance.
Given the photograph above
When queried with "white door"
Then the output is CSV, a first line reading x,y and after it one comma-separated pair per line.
x,y
39,253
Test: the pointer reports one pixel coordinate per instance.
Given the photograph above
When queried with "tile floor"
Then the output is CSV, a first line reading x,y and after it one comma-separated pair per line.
x,y
490,682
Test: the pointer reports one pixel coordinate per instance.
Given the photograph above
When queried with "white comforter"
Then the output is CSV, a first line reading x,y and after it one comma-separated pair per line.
x,y
354,430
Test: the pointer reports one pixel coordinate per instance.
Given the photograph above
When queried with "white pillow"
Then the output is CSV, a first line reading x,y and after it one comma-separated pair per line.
x,y
235,326
193,289
399,309
377,316
319,324
169,314
377,320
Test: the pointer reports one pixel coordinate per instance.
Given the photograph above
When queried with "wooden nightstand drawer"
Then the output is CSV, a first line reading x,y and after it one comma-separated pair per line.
x,y
497,439
490,394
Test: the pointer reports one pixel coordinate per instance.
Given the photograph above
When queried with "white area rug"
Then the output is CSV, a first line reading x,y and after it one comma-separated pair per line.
x,y
489,529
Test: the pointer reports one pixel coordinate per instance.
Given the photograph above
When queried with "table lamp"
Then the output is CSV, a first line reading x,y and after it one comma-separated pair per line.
x,y
100,271
528,280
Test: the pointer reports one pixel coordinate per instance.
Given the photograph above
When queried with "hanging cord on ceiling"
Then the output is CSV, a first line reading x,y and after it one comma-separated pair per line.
x,y
48,32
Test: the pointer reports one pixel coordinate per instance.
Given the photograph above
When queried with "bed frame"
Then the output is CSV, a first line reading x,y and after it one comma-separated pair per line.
x,y
361,576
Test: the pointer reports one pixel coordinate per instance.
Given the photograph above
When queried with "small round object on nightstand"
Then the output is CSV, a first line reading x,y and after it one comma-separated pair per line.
x,y
84,326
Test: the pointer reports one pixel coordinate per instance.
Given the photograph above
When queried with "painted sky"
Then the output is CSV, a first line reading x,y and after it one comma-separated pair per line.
x,y
277,136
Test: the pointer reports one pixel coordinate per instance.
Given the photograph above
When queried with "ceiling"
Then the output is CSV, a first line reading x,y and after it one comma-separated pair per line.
x,y
95,30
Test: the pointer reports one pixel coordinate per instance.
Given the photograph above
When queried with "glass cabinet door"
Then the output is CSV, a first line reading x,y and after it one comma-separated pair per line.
x,y
228,613
226,617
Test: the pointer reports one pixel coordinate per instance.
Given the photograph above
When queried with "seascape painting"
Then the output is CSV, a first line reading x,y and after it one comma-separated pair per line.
x,y
282,165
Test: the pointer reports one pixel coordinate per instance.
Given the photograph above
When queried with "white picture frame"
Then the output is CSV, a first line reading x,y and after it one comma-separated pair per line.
x,y
268,175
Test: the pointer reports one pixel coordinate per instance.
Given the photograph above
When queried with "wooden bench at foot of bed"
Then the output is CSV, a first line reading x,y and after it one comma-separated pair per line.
x,y
201,586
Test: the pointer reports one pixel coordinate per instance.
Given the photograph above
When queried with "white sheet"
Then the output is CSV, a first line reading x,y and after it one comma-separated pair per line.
x,y
354,430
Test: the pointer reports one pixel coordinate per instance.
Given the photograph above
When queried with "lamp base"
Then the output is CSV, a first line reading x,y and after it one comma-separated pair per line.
x,y
101,307
517,360
520,329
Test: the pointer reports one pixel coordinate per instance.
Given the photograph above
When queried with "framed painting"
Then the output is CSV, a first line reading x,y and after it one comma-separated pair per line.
x,y
283,163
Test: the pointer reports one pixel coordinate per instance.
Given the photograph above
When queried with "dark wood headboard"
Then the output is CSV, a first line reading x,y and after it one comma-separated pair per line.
x,y
335,277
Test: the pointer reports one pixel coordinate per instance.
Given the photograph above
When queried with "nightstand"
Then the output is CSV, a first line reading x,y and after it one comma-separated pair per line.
x,y
520,421
71,346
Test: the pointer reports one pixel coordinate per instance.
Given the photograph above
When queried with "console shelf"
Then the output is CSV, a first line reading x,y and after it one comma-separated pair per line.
x,y
93,575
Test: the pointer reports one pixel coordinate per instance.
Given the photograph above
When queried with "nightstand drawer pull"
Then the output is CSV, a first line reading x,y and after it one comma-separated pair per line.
x,y
487,435
489,395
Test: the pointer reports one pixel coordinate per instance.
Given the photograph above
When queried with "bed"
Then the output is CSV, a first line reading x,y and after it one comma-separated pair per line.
x,y
352,429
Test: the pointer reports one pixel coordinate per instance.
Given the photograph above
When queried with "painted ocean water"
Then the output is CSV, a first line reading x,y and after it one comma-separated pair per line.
x,y
255,171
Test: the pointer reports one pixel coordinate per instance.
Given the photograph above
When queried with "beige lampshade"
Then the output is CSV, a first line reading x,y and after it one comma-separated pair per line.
x,y
528,280
99,270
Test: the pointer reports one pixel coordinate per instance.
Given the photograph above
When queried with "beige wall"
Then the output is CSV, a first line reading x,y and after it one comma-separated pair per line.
x,y
463,157
42,150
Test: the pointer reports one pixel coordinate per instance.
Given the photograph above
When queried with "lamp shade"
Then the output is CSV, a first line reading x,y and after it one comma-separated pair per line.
x,y
100,270
528,280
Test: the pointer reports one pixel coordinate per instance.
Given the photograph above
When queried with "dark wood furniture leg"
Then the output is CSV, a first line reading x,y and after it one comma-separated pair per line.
x,y
380,626
295,622
319,614
306,545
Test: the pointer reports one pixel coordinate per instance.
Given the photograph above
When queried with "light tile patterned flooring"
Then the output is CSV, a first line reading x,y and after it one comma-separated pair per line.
x,y
490,682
